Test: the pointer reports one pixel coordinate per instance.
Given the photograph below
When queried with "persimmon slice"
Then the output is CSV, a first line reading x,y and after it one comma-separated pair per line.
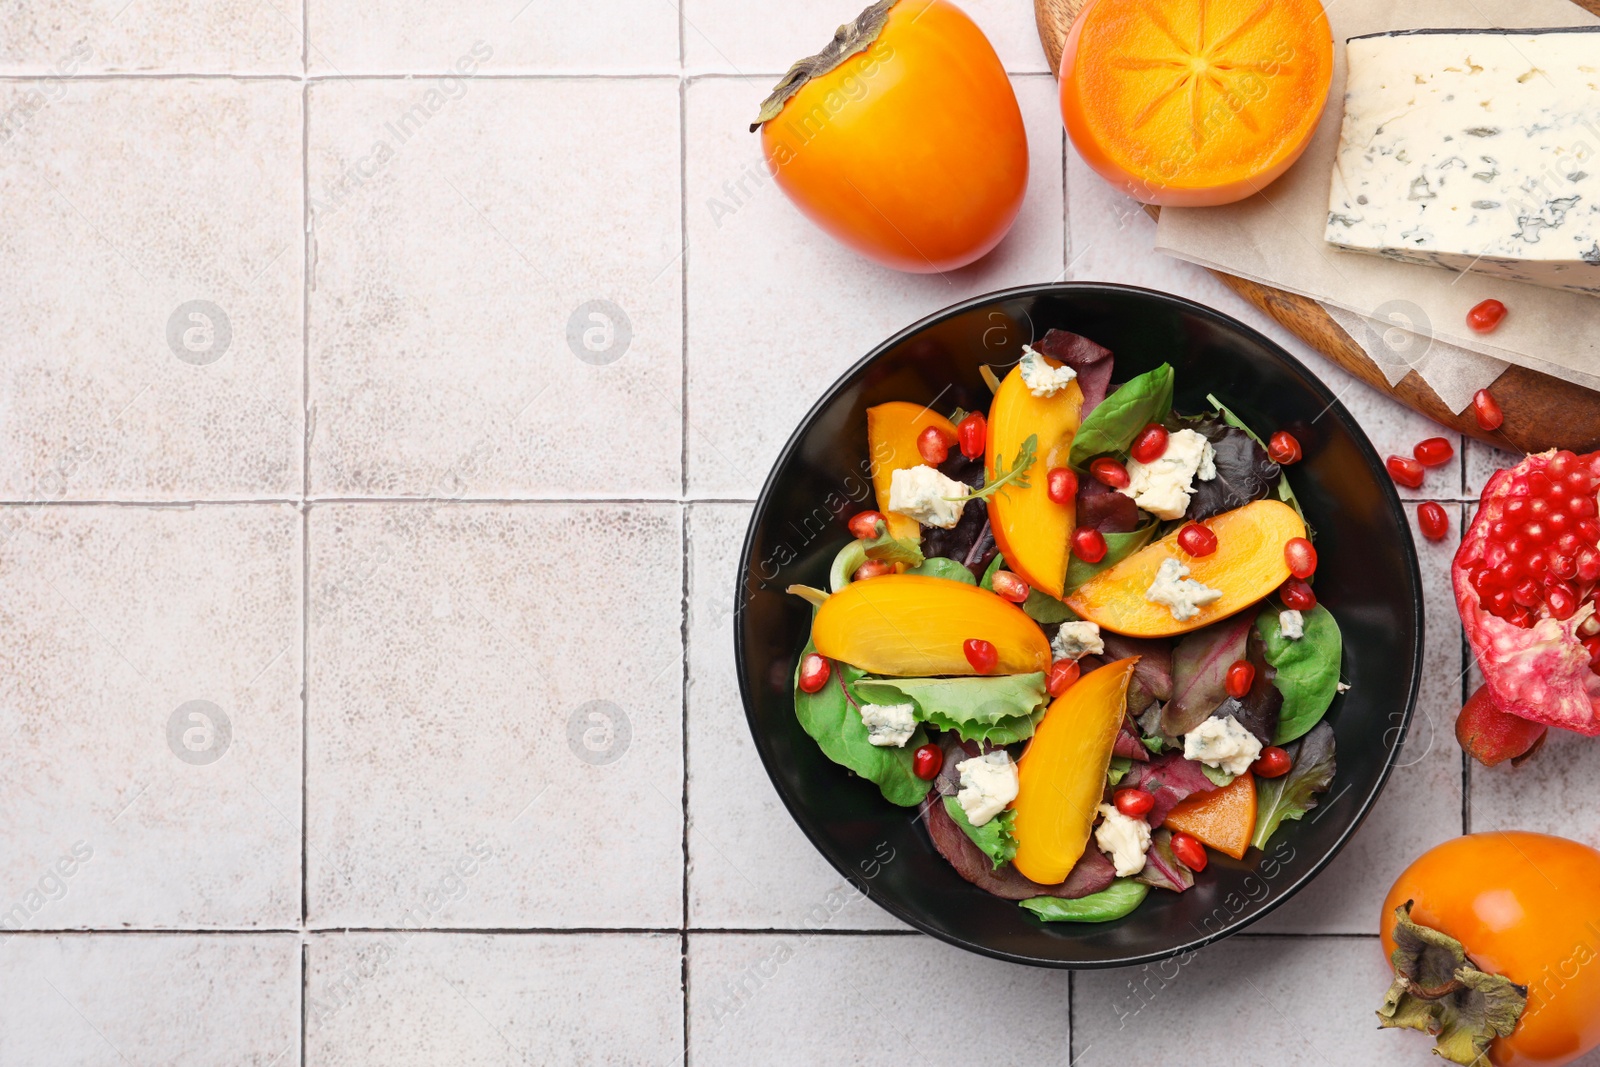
x,y
1032,530
1195,102
1223,819
892,431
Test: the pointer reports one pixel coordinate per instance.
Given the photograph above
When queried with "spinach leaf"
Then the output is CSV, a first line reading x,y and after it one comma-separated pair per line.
x,y
1306,671
1000,709
940,567
1112,426
1295,793
1045,609
987,581
996,837
1119,546
832,717
1113,902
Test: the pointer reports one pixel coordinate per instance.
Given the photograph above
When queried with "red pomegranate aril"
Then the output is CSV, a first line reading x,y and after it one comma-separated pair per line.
x,y
1301,557
1483,583
1063,672
1088,544
865,524
980,653
1581,507
1499,604
1109,472
1061,485
1563,566
1240,677
1539,508
1558,521
1567,543
1434,522
1009,586
1508,572
872,568
1486,409
1562,602
1485,316
1433,452
933,445
972,433
1525,593
927,761
814,672
1297,595
1197,540
1274,762
1150,445
1283,448
1588,564
1588,531
1406,472
1190,852
1536,562
1592,646
1133,803
1517,509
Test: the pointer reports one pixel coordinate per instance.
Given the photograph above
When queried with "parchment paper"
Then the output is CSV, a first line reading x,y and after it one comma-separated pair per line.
x,y
1276,236
1453,374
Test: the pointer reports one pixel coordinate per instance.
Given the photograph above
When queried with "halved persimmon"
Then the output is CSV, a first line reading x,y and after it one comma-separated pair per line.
x,y
910,625
1195,102
1032,531
892,431
1247,565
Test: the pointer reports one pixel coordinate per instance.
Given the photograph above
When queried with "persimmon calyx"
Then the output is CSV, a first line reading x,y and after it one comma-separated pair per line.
x,y
854,36
1437,989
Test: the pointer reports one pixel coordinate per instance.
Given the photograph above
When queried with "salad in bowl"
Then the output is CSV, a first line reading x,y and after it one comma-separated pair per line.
x,y
1078,636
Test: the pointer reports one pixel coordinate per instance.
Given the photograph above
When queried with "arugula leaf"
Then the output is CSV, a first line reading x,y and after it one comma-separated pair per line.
x,y
1001,709
1306,670
1285,490
943,567
1016,474
1112,426
832,717
1295,793
1113,902
996,837
1119,768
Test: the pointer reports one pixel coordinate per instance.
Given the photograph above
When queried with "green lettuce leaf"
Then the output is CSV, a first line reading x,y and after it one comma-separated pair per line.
x,y
1112,902
832,718
996,837
1117,420
1307,670
1001,709
1295,793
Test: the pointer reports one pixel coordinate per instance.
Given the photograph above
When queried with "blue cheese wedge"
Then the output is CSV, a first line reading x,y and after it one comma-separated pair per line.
x,y
1474,150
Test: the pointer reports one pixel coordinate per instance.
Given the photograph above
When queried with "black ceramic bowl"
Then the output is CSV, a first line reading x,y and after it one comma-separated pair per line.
x,y
1367,576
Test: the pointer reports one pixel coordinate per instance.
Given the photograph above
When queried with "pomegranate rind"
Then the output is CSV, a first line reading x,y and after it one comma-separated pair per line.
x,y
1540,673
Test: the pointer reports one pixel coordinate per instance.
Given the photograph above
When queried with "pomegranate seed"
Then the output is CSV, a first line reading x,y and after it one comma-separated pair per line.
x,y
1588,564
1063,672
1406,472
872,568
1283,448
1500,603
1009,586
927,761
1190,852
1535,563
1486,315
1300,556
1108,471
1581,507
972,433
1150,445
1592,645
1061,484
1564,567
865,524
1197,540
1240,677
1525,593
1088,544
1434,522
933,445
1274,762
1562,601
980,654
1133,802
1297,595
1487,410
814,672
1588,531
1561,463
1433,452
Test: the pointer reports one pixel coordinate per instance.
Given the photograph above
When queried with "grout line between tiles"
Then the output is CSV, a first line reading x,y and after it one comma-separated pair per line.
x,y
683,637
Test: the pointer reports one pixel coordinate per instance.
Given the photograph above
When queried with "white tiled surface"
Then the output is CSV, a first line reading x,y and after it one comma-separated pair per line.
x,y
503,714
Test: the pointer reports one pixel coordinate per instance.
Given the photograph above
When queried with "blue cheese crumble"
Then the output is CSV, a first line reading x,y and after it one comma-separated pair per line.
x,y
922,493
988,784
1163,488
1291,625
1178,593
889,725
1075,640
1040,377
1222,743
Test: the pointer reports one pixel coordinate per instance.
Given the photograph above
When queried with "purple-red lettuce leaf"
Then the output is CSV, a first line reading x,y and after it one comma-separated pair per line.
x,y
1092,362
1099,507
1199,672
1294,794
1259,709
1092,873
1154,669
1244,471
1169,778
958,541
1128,743
1162,868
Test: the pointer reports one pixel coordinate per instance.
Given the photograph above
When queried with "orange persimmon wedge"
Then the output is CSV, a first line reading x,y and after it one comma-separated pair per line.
x,y
910,626
1062,775
1247,565
892,431
1195,102
1032,531
1222,819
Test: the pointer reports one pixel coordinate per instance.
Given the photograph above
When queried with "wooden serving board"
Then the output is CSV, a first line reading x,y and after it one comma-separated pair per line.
x,y
1541,411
